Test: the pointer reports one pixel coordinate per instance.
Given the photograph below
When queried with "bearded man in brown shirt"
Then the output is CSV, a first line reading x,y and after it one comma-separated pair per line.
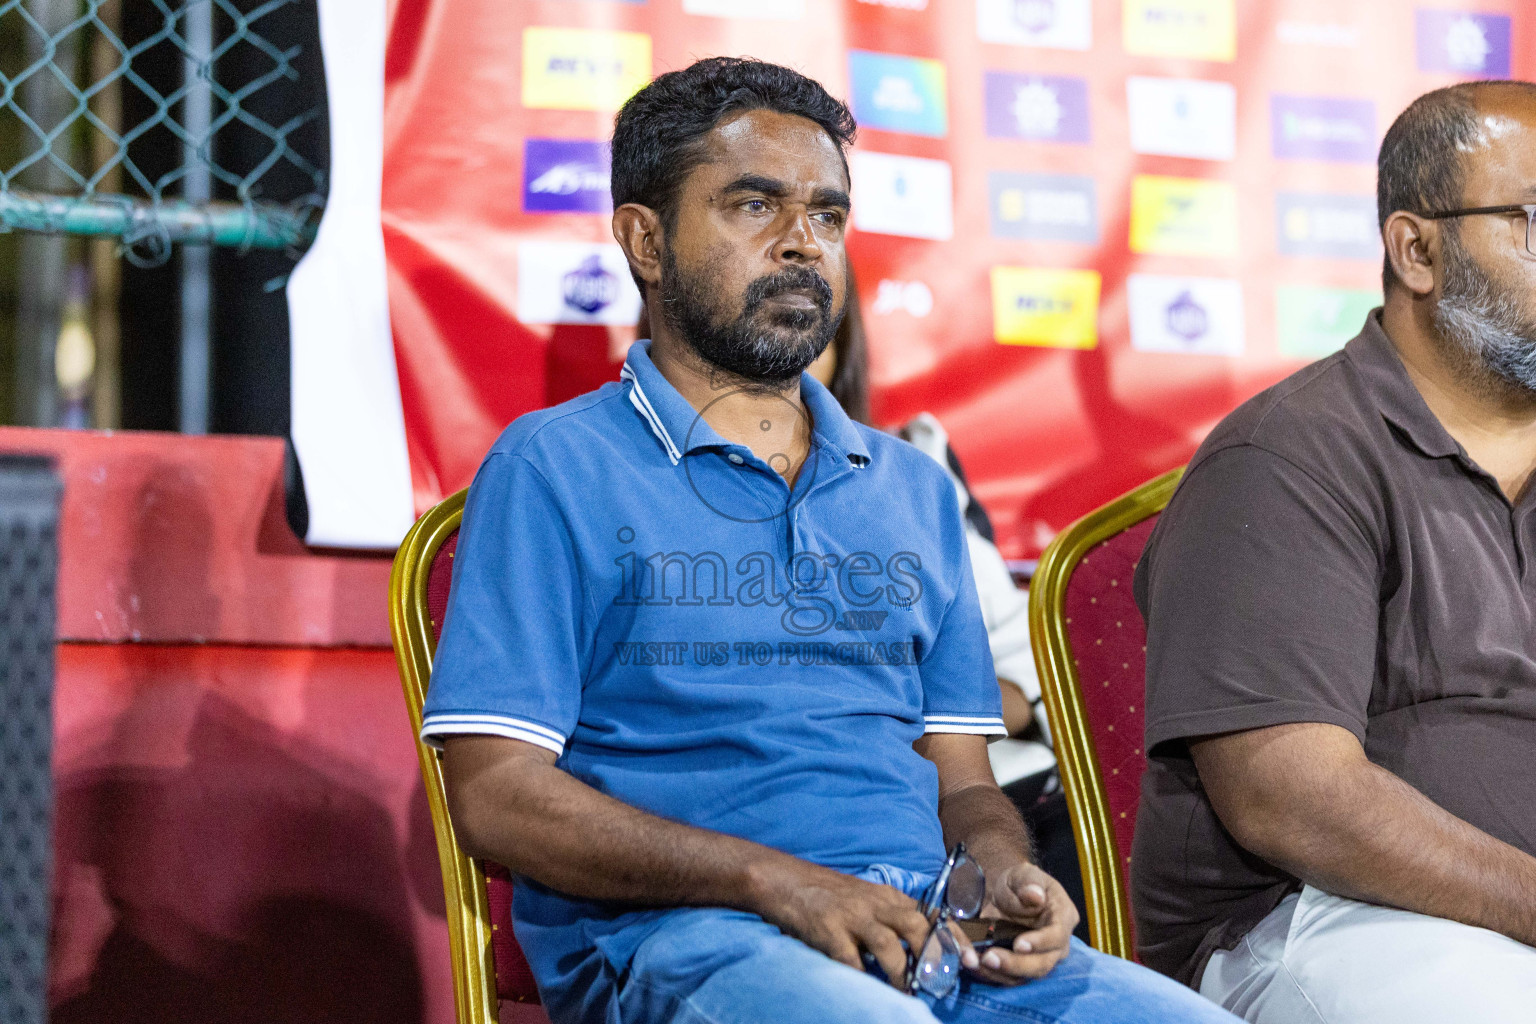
x,y
1338,820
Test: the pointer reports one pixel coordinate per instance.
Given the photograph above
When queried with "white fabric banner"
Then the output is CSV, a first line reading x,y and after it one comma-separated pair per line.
x,y
348,428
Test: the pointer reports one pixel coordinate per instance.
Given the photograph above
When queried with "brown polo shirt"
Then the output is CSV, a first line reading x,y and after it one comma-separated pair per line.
x,y
1332,555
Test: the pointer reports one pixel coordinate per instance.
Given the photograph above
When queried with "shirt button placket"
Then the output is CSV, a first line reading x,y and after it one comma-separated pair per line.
x,y
800,538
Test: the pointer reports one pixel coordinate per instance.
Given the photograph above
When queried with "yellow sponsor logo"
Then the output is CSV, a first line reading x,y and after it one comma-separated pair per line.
x,y
1183,216
1196,29
583,69
1046,307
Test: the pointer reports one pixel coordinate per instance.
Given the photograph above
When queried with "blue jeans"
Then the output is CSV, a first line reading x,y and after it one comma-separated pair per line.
x,y
711,966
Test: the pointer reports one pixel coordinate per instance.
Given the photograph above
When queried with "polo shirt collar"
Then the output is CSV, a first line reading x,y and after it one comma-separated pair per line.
x,y
676,424
832,425
1374,355
681,430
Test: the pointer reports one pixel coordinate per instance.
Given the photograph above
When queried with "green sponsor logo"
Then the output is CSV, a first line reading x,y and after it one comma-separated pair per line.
x,y
1315,322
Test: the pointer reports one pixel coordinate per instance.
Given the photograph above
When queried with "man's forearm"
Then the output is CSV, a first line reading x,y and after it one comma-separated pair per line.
x,y
982,817
541,823
1382,841
1306,799
510,804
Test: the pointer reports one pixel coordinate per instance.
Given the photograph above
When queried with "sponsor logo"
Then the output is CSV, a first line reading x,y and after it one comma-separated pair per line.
x,y
574,283
898,94
1331,226
1058,24
1323,128
911,297
1459,43
1196,315
1045,307
1196,29
772,10
1049,207
1183,216
1048,107
583,69
1315,322
902,195
589,287
1186,319
566,175
1317,34
1182,117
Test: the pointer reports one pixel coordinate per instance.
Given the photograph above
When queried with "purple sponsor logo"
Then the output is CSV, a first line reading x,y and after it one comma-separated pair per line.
x,y
566,176
1463,44
589,287
1048,107
1186,318
1323,128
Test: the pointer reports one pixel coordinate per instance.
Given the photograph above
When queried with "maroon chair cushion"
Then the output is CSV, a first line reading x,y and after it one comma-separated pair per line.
x,y
1109,641
514,979
439,578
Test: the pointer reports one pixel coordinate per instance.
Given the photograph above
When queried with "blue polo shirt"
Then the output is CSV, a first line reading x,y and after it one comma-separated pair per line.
x,y
692,636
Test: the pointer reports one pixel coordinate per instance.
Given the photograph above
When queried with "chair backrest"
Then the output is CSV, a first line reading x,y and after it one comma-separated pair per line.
x,y
488,965
1090,648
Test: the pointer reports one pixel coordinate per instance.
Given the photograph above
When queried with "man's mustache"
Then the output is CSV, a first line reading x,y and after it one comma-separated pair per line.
x,y
794,279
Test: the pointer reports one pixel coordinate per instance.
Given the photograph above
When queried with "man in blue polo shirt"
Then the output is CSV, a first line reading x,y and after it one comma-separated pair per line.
x,y
713,680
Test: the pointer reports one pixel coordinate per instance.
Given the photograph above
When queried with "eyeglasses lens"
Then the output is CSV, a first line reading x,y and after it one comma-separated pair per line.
x,y
957,893
938,969
967,889
1530,231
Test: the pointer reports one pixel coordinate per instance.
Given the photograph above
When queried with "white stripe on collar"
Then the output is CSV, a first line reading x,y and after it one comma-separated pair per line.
x,y
643,406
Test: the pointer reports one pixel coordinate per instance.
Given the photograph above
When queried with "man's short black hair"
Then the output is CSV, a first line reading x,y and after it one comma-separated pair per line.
x,y
1420,167
658,137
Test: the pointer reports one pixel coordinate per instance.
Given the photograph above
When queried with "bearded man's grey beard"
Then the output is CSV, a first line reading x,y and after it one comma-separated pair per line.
x,y
1493,338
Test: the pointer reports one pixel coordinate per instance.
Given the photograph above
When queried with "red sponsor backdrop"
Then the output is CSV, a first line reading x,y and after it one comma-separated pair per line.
x,y
1045,433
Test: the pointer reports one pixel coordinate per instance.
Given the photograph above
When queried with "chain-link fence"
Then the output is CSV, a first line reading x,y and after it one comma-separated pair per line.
x,y
97,138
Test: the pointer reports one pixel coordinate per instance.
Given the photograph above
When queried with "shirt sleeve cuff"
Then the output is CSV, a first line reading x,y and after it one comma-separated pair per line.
x,y
1242,718
441,724
975,725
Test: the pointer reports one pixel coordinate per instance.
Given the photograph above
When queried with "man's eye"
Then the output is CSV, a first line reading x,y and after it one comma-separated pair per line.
x,y
830,217
755,205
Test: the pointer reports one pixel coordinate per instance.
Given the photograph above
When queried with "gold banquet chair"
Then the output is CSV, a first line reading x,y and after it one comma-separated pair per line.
x,y
488,966
1090,649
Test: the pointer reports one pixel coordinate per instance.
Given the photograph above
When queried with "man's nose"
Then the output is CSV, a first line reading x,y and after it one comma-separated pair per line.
x,y
797,242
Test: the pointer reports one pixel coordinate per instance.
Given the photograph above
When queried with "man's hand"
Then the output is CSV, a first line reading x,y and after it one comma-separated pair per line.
x,y
973,810
841,915
1030,897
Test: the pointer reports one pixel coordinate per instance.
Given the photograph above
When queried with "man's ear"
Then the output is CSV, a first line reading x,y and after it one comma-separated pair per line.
x,y
638,231
1413,247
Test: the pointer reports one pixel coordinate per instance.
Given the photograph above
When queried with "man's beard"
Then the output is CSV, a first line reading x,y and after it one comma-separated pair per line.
x,y
1494,340
762,346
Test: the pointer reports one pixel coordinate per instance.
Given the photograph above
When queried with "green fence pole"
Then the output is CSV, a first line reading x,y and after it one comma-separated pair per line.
x,y
256,226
